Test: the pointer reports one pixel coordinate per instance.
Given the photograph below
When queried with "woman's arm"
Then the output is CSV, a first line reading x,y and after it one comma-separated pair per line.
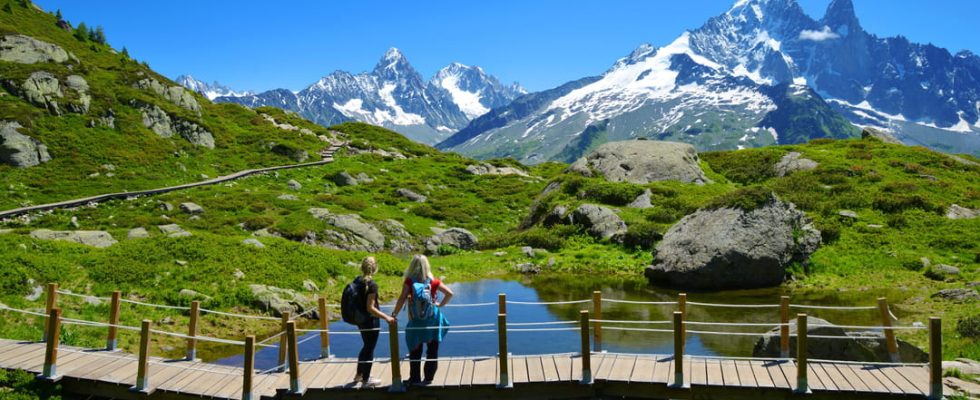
x,y
401,301
447,294
372,299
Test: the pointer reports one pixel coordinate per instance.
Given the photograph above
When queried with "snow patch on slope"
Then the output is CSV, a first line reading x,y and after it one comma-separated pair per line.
x,y
468,102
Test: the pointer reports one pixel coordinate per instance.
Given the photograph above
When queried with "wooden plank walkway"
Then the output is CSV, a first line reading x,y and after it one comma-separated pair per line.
x,y
110,374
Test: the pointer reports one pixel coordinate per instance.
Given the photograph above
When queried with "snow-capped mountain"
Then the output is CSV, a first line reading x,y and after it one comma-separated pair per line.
x,y
761,73
209,90
395,96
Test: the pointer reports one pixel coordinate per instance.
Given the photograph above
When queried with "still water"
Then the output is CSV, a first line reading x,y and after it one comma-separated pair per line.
x,y
548,289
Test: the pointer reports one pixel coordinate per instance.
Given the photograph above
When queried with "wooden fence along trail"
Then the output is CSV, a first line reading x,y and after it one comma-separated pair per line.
x,y
587,372
327,155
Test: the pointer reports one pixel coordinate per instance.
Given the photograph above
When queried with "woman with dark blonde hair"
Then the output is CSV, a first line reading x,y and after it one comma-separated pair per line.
x,y
426,325
370,328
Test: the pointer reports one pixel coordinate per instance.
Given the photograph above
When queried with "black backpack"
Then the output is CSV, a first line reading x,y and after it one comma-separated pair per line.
x,y
353,303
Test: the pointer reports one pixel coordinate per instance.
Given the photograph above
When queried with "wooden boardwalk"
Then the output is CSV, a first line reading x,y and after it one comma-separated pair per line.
x,y
111,375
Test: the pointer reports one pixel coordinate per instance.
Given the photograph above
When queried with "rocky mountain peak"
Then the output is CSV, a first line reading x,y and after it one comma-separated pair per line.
x,y
393,63
841,18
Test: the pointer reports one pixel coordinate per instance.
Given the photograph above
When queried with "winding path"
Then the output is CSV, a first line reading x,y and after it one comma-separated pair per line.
x,y
327,158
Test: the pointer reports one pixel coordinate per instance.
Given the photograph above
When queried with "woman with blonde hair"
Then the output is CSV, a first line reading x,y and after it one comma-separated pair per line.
x,y
370,326
426,325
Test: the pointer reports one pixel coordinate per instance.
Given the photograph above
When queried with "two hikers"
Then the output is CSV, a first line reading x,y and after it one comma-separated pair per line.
x,y
426,326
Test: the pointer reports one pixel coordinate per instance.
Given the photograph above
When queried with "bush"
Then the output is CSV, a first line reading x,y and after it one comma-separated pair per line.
x,y
747,199
745,166
257,222
895,202
613,193
829,231
969,326
642,235
537,237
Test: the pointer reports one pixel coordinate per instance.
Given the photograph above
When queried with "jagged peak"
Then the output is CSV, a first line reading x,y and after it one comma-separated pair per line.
x,y
841,18
393,61
393,54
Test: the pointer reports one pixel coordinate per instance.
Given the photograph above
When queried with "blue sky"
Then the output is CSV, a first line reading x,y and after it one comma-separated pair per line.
x,y
260,45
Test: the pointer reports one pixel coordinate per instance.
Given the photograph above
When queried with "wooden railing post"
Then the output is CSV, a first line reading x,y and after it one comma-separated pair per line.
x,y
192,331
50,304
248,370
679,349
502,351
586,352
784,326
295,388
112,340
142,369
50,371
935,358
682,307
886,321
502,303
597,326
396,365
324,329
801,330
283,344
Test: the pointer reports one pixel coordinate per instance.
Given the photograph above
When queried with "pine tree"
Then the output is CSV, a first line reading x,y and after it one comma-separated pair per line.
x,y
98,35
124,52
81,32
57,15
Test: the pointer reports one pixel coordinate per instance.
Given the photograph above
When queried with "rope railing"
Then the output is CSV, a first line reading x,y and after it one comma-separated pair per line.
x,y
654,303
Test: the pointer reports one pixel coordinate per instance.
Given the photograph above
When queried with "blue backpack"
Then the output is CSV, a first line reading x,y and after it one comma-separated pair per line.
x,y
423,306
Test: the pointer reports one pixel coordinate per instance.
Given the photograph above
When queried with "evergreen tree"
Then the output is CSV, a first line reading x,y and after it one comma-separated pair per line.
x,y
7,9
81,32
124,52
98,35
57,15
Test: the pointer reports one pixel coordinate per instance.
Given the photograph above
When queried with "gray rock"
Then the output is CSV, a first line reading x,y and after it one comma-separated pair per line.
x,y
352,232
733,248
310,286
173,230
343,178
642,201
956,212
499,253
292,184
181,263
399,239
601,222
964,365
191,208
137,233
41,89
364,178
944,270
291,197
161,123
98,239
264,232
792,162
880,135
82,99
643,161
958,295
527,268
455,237
192,295
488,169
238,274
174,94
848,214
74,222
854,349
166,206
410,195
278,300
527,251
20,150
23,49
254,243
36,293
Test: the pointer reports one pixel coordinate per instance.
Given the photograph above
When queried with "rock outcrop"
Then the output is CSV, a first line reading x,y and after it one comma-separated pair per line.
x,y
858,348
43,89
731,248
173,230
454,237
880,135
642,201
642,161
488,169
166,126
98,239
601,222
792,162
352,233
957,212
411,196
174,94
399,239
278,300
23,49
20,150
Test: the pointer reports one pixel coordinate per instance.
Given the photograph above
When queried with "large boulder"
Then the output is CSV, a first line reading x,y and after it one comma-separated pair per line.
x,y
792,162
174,94
958,212
488,169
729,248
601,222
880,135
278,300
455,237
27,50
643,161
173,230
399,239
351,233
20,150
411,195
161,123
859,347
98,239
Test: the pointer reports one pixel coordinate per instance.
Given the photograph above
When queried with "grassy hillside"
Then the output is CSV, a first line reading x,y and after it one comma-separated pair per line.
x,y
141,158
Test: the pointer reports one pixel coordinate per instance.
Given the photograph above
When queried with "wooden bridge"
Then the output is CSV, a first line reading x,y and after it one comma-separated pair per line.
x,y
587,373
